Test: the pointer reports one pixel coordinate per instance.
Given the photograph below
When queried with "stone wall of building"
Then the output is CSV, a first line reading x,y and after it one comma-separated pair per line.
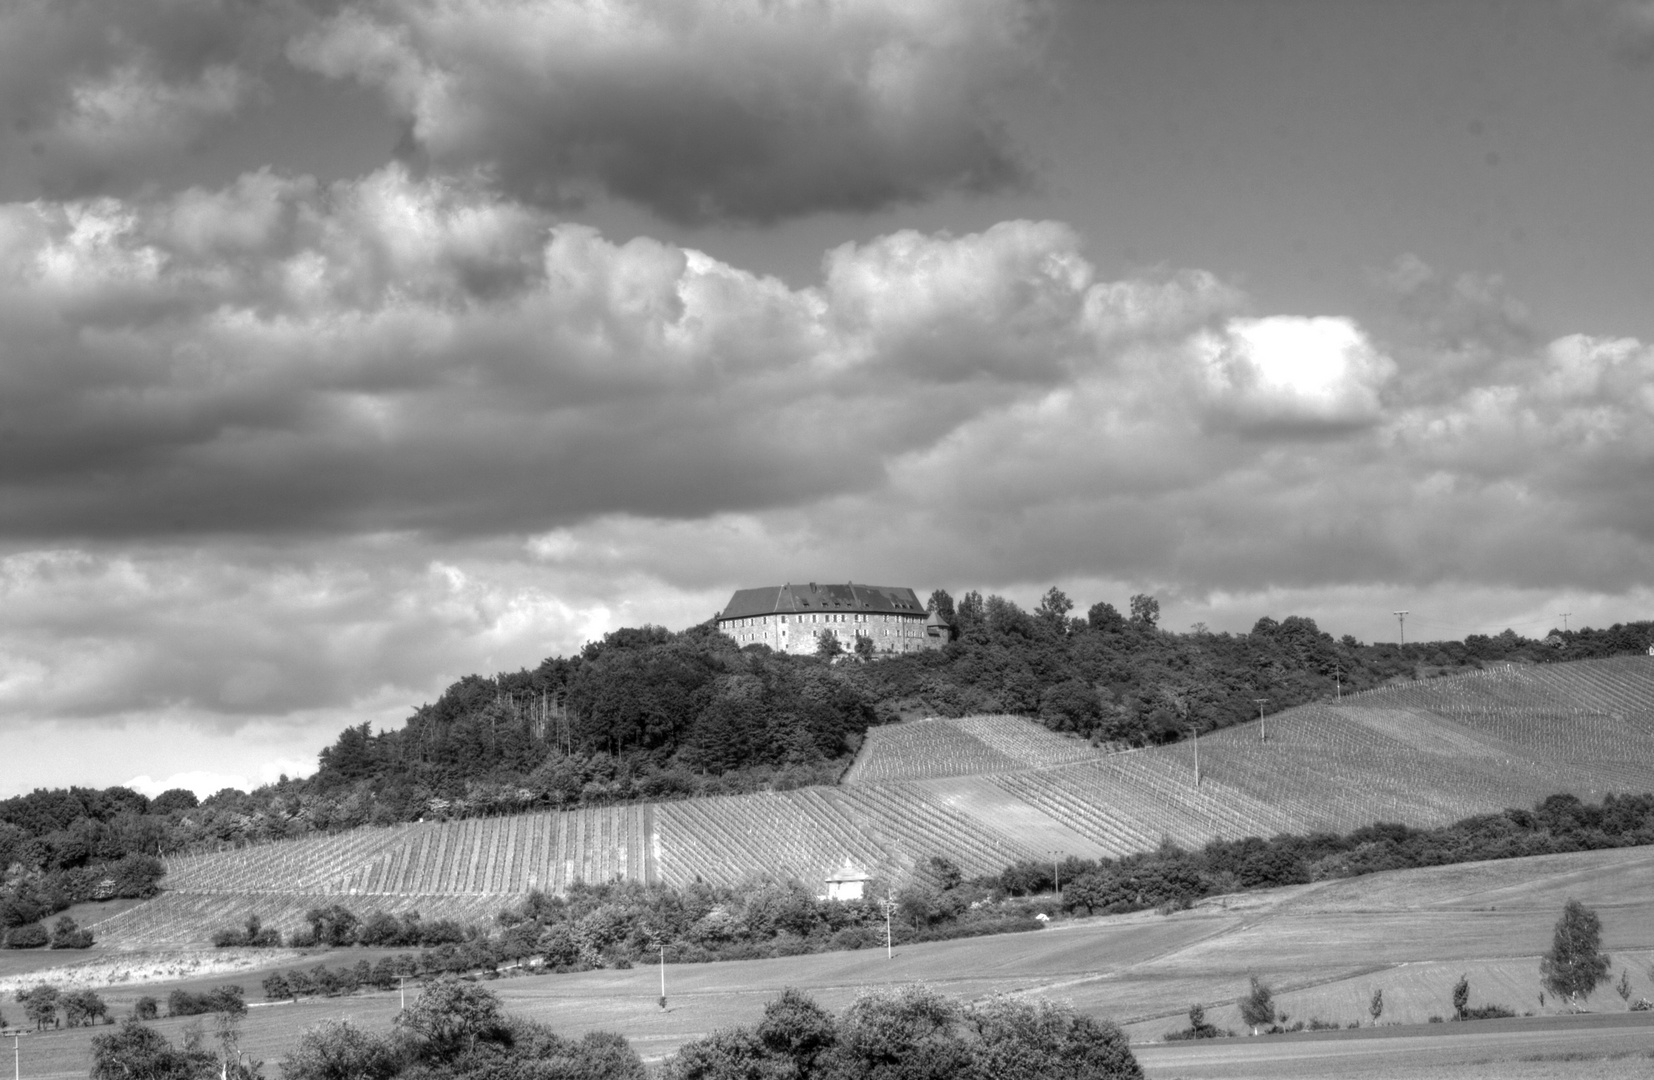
x,y
796,632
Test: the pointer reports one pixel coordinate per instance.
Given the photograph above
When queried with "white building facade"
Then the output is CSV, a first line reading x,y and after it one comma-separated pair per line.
x,y
791,618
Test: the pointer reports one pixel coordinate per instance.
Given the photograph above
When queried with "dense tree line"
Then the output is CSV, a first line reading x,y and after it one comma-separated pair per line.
x,y
1173,877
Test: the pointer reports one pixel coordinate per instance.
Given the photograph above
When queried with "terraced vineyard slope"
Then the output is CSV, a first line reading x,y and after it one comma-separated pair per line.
x,y
982,791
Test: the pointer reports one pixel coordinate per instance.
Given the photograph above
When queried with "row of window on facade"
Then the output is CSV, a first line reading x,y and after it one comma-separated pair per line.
x,y
828,617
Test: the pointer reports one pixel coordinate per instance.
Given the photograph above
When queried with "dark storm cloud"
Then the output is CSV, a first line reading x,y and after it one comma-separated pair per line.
x,y
750,111
94,95
400,354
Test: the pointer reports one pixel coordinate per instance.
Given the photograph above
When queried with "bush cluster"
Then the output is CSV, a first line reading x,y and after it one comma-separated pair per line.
x,y
338,926
1198,1028
228,999
253,935
28,936
81,1008
457,1029
911,1032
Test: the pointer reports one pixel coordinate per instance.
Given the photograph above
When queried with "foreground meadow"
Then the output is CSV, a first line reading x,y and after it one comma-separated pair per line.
x,y
1324,947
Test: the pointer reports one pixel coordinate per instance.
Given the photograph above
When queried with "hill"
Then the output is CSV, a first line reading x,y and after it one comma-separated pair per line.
x,y
983,792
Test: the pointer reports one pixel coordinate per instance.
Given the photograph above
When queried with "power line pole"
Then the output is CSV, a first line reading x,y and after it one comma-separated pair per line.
x,y
1263,725
1565,615
889,906
1056,875
1401,621
663,975
1194,732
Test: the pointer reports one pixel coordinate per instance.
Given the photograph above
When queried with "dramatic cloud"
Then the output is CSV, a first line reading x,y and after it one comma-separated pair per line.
x,y
282,454
750,110
93,95
399,355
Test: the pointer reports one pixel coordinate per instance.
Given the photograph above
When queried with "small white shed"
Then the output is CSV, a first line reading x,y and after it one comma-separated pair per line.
x,y
847,882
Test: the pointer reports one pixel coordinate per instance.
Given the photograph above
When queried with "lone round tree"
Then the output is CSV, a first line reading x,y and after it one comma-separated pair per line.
x,y
1576,964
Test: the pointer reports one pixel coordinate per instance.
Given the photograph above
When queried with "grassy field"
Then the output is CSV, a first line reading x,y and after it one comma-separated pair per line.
x,y
1325,947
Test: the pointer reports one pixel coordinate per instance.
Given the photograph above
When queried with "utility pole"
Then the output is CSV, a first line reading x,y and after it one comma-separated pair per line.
x,y
1565,615
1056,875
889,906
16,1057
1401,621
1194,733
663,974
402,988
1263,725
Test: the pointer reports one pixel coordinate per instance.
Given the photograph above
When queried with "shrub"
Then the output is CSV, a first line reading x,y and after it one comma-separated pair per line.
x,y
66,935
1198,1027
138,1051
1486,1012
338,1050
226,999
255,935
31,936
146,1008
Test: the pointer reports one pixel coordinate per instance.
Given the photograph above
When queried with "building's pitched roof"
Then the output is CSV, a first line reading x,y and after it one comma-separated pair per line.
x,y
787,599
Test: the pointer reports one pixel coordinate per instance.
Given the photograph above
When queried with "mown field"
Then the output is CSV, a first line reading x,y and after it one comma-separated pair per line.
x,y
1324,946
983,792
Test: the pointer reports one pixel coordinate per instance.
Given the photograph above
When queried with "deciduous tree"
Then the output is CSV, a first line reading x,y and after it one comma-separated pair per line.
x,y
339,1050
1576,963
1257,1005
136,1052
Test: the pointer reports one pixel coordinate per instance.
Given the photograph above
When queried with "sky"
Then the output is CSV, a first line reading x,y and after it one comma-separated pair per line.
x,y
348,347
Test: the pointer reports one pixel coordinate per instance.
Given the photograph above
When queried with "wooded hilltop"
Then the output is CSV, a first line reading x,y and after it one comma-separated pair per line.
x,y
647,713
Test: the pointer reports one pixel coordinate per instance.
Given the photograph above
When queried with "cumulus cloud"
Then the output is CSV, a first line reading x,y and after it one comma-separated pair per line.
x,y
749,111
286,453
405,354
1284,373
420,356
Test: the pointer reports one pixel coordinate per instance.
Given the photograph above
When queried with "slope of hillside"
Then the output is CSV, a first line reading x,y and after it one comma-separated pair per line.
x,y
984,792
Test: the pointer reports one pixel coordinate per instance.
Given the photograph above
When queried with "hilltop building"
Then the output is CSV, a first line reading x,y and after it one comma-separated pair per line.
x,y
789,617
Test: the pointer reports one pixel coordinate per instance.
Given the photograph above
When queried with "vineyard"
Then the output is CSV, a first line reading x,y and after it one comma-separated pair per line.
x,y
983,792
973,744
